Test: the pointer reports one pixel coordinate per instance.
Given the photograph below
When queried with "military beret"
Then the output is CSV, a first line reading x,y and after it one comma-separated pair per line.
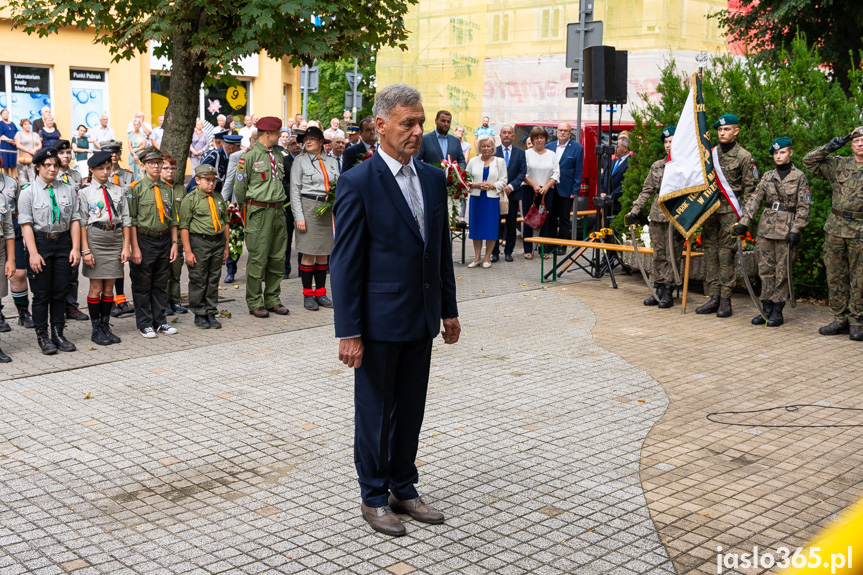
x,y
857,132
269,124
205,170
61,145
220,135
781,142
99,158
667,133
111,145
726,120
353,128
151,153
234,139
44,154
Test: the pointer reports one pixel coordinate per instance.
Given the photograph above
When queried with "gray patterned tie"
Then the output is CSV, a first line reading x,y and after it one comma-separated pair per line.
x,y
415,199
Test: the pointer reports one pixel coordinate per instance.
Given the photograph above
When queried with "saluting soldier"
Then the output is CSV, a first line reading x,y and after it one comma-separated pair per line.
x,y
169,168
719,245
154,245
71,178
119,177
7,255
205,235
50,222
785,191
662,272
259,185
843,243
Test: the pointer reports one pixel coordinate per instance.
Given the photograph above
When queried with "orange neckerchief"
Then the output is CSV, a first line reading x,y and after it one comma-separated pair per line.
x,y
326,175
217,225
159,203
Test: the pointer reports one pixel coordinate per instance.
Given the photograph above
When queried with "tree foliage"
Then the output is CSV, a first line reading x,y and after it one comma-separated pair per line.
x,y
329,101
767,27
792,97
205,39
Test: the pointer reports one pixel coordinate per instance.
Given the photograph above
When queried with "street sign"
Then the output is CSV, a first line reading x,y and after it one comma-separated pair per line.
x,y
592,37
349,100
353,79
309,77
573,92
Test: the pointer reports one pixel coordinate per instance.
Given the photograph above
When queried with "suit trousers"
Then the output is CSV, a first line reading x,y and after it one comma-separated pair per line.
x,y
559,219
389,400
507,229
72,294
50,287
150,281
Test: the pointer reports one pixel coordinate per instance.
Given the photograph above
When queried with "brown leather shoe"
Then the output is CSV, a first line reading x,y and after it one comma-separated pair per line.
x,y
279,309
260,313
416,509
710,306
383,521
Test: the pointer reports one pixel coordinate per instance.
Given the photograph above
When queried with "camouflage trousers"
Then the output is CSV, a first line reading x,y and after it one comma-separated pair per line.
x,y
772,268
843,260
719,249
662,271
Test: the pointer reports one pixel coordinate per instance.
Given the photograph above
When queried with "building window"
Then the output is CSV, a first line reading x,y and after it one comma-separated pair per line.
x,y
499,27
25,90
89,97
549,23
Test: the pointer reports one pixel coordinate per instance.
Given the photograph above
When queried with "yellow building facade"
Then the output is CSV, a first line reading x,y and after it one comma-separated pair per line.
x,y
505,58
78,81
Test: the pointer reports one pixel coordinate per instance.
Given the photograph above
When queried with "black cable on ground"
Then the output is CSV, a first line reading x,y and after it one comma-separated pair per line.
x,y
787,408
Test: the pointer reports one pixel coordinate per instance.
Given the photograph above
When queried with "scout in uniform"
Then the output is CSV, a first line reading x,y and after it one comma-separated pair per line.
x,y
843,244
785,191
662,272
50,222
719,244
259,185
7,254
71,178
169,169
154,245
105,243
205,232
123,178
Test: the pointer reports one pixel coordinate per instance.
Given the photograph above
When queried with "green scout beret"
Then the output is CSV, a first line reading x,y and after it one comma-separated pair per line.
x,y
205,170
781,142
667,132
151,153
726,120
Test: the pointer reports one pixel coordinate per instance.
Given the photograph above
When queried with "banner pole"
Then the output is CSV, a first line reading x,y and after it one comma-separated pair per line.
x,y
686,276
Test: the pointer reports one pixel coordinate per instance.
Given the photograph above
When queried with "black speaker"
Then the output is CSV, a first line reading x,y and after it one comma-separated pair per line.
x,y
599,74
620,71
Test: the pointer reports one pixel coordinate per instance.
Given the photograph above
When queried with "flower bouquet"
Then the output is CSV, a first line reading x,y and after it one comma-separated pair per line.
x,y
457,187
237,227
327,205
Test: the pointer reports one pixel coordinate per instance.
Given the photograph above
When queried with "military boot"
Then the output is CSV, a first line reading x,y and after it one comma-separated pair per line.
x,y
24,317
657,287
45,344
767,306
106,329
856,333
835,327
710,307
98,336
724,307
59,340
776,318
4,325
666,299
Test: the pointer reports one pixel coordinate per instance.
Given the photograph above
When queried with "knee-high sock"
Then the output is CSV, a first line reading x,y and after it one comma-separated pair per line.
x,y
94,305
321,279
306,274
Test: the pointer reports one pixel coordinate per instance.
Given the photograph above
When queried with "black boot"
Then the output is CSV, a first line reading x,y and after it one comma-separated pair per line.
x,y
710,307
4,358
767,306
45,343
835,327
776,319
98,337
60,340
724,307
667,297
856,333
106,329
657,287
24,317
4,325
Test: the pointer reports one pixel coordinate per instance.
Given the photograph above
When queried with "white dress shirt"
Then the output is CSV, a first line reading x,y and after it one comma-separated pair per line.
x,y
395,167
561,148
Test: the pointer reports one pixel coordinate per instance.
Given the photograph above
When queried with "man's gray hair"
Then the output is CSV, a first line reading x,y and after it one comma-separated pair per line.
x,y
624,141
394,95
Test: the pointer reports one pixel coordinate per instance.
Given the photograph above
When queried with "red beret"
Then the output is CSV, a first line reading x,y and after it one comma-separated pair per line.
x,y
269,124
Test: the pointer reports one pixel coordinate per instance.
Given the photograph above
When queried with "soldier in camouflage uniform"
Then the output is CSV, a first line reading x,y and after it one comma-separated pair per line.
x,y
719,244
662,272
843,244
785,191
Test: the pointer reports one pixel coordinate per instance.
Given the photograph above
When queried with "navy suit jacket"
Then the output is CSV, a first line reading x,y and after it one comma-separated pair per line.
x,y
430,151
352,155
618,171
388,284
571,165
516,170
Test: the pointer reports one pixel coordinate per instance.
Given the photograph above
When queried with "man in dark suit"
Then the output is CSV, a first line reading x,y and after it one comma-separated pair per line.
x,y
619,165
367,143
516,169
570,156
393,282
437,146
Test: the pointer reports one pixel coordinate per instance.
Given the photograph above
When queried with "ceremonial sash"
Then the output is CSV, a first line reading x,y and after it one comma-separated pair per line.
x,y
724,186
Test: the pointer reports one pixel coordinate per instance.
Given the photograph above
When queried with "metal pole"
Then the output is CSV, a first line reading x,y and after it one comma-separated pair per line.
x,y
305,88
354,97
582,21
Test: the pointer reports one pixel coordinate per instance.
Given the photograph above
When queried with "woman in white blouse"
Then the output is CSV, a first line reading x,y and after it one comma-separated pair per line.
x,y
488,179
543,172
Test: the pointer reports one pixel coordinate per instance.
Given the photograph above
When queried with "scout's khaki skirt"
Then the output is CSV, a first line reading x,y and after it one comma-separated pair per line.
x,y
106,247
317,240
4,284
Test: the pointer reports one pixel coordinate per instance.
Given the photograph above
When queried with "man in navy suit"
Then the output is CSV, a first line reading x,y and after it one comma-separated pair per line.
x,y
437,146
516,170
393,282
570,156
368,139
619,165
